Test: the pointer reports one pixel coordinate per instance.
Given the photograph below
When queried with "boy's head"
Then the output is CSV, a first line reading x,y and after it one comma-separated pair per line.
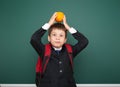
x,y
57,35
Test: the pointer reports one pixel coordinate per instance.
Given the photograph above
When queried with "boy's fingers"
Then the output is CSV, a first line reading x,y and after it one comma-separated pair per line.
x,y
52,19
54,16
54,12
64,19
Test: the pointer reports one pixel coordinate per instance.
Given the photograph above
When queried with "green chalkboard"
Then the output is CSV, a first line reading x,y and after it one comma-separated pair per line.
x,y
98,20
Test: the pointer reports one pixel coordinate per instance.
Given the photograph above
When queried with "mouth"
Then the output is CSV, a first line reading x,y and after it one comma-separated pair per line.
x,y
57,42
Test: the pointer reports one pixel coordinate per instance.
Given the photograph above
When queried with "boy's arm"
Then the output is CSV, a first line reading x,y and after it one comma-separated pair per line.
x,y
82,41
36,39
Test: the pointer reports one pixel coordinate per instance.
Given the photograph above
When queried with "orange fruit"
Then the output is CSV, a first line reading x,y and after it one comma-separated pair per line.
x,y
60,16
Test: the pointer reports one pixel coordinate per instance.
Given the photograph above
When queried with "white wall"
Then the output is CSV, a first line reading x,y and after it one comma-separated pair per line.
x,y
78,85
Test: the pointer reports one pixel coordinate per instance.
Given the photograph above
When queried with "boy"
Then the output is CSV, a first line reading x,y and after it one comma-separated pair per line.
x,y
59,72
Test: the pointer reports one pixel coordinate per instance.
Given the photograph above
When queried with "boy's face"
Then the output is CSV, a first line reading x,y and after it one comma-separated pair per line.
x,y
57,38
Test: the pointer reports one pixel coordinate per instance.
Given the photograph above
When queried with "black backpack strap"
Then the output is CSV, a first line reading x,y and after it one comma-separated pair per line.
x,y
69,50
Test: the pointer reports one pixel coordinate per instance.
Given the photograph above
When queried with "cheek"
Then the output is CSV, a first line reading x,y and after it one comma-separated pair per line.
x,y
63,40
52,39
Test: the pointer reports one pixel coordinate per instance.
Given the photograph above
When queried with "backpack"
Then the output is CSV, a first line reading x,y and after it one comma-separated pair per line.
x,y
42,63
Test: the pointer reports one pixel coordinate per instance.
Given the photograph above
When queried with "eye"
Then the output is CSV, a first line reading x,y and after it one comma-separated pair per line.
x,y
61,35
53,34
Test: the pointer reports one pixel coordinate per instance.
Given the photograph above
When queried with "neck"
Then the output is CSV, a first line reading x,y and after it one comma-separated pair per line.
x,y
57,48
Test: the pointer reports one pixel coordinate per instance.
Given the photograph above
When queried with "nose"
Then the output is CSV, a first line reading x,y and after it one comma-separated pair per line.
x,y
57,37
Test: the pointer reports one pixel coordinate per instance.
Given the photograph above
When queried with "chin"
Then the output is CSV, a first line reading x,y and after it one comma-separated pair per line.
x,y
57,46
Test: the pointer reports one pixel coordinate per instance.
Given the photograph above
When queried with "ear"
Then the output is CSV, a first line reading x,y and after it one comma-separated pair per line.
x,y
48,38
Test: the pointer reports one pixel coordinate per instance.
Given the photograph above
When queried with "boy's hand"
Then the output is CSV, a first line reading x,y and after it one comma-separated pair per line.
x,y
65,23
52,19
